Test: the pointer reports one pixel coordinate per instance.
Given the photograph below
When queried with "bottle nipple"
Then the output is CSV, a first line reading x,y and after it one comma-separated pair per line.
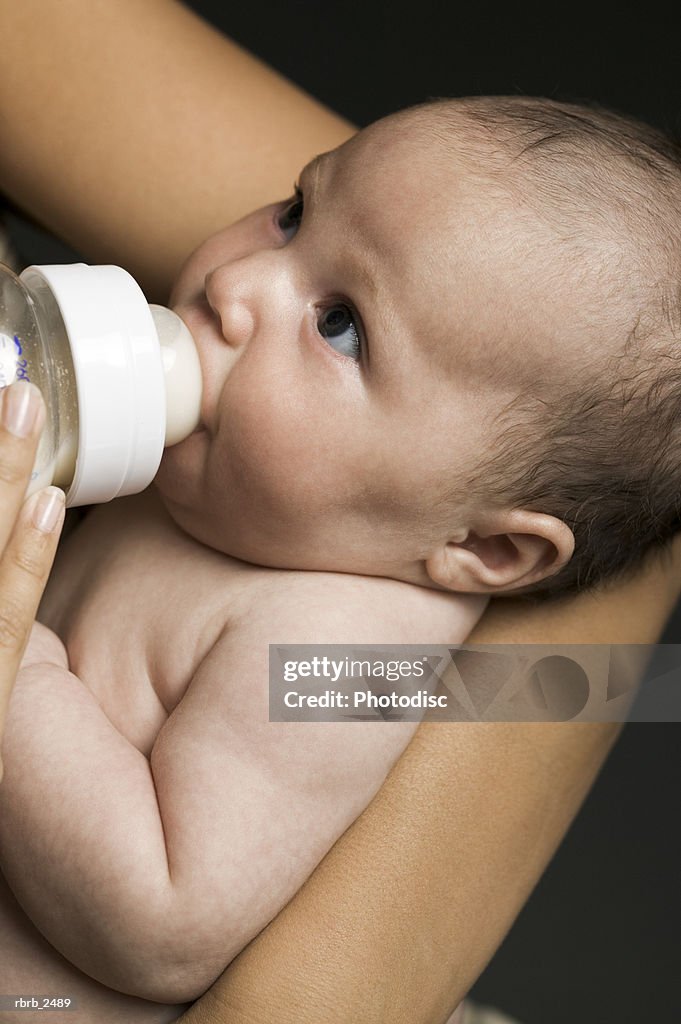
x,y
182,373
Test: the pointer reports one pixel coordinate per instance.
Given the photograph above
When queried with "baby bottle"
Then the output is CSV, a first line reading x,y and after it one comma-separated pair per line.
x,y
120,379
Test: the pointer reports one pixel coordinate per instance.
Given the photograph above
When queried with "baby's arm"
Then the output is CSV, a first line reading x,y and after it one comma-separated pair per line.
x,y
30,965
151,875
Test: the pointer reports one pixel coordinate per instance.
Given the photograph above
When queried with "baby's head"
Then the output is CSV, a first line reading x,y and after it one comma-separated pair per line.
x,y
449,358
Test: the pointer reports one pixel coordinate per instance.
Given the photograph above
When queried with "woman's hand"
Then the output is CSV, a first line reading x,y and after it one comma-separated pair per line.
x,y
29,530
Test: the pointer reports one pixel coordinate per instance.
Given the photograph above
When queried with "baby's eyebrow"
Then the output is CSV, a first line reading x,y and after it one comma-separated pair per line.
x,y
361,264
311,174
310,178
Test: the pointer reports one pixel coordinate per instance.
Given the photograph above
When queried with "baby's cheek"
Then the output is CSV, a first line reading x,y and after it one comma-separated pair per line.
x,y
258,473
262,493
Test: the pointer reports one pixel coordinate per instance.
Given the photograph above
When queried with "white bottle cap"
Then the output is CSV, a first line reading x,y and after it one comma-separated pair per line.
x,y
119,376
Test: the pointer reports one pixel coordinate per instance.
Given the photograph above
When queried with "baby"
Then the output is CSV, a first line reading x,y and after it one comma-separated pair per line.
x,y
441,368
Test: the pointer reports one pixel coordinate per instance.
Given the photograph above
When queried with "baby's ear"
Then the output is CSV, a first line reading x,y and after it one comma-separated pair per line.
x,y
512,550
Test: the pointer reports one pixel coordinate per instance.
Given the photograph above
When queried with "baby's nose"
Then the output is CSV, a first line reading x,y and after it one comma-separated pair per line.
x,y
233,301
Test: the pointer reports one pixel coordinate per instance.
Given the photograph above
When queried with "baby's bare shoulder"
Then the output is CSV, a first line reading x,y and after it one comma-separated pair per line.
x,y
360,609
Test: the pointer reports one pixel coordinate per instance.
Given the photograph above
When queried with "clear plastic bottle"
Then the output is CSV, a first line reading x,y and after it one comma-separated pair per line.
x,y
120,379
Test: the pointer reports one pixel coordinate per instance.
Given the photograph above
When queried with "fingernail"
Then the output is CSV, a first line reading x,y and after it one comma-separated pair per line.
x,y
48,509
21,403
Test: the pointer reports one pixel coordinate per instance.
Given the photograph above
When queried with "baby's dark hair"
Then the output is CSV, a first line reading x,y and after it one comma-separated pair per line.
x,y
604,457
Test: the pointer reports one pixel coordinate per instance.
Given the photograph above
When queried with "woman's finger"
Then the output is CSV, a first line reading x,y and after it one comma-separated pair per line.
x,y
24,568
29,529
22,414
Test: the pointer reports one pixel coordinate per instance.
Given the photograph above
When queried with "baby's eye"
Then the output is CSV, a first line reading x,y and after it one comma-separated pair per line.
x,y
289,221
337,325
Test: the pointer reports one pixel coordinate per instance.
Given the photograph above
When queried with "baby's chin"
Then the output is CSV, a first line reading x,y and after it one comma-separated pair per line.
x,y
193,523
183,498
178,484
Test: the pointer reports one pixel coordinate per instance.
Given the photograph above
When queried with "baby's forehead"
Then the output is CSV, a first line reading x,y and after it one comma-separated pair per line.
x,y
437,234
404,149
394,185
407,179
471,273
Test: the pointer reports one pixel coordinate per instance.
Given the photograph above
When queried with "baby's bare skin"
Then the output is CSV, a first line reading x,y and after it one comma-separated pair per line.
x,y
247,808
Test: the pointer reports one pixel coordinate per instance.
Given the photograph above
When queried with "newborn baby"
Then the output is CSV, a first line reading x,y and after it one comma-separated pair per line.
x,y
439,368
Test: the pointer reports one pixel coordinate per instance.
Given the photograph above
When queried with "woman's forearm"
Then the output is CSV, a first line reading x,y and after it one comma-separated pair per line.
x,y
406,910
135,130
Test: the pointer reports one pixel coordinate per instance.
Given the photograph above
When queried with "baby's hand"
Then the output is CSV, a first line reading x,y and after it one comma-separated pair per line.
x,y
28,530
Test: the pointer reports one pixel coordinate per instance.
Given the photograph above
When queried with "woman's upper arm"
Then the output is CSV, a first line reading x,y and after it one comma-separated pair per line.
x,y
135,130
405,911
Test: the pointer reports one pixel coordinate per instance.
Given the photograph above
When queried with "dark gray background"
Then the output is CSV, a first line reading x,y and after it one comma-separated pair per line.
x,y
599,940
